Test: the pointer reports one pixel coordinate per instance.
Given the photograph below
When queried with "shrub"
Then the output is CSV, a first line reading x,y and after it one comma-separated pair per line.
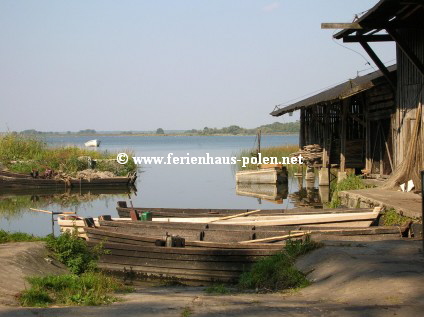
x,y
74,252
277,272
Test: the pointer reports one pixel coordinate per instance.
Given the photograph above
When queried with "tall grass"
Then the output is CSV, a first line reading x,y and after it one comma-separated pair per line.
x,y
87,289
6,236
24,153
351,182
273,151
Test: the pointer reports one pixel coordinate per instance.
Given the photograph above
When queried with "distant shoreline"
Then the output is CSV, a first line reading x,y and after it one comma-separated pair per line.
x,y
154,134
94,136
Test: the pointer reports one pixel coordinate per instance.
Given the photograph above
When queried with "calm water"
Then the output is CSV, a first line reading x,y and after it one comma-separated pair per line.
x,y
179,186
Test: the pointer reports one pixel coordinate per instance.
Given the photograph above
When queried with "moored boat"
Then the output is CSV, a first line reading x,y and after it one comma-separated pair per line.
x,y
274,175
19,180
93,143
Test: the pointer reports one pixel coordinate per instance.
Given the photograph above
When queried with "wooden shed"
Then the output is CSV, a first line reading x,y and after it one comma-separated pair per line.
x,y
403,23
380,128
351,122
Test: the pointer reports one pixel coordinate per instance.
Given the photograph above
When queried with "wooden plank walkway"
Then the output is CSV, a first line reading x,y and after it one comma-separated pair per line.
x,y
407,204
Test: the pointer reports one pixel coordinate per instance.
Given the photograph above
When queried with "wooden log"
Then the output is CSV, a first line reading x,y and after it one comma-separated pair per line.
x,y
277,238
236,216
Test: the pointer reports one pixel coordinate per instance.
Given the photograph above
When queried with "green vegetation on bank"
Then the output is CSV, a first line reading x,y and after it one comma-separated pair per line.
x,y
273,151
277,272
351,182
89,288
23,153
392,218
217,289
273,128
85,286
6,236
276,127
74,252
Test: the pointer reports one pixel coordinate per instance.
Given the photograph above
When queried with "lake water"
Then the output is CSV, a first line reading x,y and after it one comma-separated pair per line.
x,y
179,186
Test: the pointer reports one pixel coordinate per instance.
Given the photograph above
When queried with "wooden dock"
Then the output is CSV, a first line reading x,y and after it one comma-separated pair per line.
x,y
407,204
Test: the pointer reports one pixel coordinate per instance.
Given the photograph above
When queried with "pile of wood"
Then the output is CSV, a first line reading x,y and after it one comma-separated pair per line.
x,y
311,154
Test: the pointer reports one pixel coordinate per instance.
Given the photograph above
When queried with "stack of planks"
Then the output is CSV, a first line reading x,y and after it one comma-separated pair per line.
x,y
311,154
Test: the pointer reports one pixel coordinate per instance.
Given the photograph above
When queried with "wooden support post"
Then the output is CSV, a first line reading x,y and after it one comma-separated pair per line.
x,y
52,224
379,64
325,154
367,135
343,134
302,128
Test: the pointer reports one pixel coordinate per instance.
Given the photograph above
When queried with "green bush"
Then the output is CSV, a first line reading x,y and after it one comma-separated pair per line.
x,y
74,252
277,272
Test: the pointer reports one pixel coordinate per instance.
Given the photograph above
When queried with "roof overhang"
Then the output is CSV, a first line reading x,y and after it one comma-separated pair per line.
x,y
339,92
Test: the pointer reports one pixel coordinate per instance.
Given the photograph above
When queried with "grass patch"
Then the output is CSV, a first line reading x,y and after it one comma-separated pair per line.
x,y
23,153
18,237
87,289
277,272
74,252
392,218
273,151
217,289
351,182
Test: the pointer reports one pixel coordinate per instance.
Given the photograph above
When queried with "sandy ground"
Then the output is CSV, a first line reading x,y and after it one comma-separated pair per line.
x,y
21,259
384,278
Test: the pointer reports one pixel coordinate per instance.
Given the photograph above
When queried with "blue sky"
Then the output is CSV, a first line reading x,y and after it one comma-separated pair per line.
x,y
140,65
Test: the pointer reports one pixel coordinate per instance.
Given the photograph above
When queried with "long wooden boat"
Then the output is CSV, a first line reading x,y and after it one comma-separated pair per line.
x,y
13,180
142,252
124,211
329,219
188,263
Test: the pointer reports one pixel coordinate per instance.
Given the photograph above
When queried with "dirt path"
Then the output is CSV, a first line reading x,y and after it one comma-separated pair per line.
x,y
21,259
384,278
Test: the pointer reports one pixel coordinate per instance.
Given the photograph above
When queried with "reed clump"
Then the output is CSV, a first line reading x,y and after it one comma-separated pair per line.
x,y
23,153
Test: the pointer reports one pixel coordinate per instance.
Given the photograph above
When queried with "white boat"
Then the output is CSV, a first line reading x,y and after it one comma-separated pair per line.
x,y
92,143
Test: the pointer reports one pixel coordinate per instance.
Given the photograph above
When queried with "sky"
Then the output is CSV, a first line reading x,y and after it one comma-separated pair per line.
x,y
187,64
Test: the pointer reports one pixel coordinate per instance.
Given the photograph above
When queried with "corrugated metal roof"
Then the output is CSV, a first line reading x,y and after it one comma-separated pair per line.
x,y
342,91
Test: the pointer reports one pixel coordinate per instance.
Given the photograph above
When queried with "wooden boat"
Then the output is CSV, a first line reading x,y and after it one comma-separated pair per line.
x,y
344,218
221,253
270,192
188,263
92,143
221,236
263,176
124,211
18,180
